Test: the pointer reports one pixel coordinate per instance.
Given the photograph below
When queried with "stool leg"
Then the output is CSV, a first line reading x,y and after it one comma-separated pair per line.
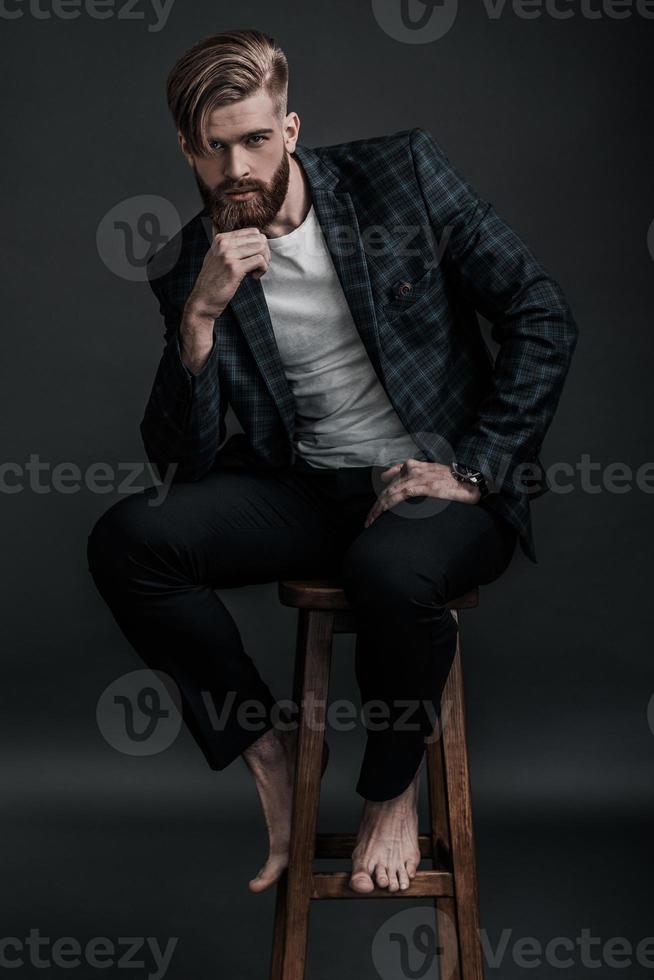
x,y
279,929
315,633
462,842
445,908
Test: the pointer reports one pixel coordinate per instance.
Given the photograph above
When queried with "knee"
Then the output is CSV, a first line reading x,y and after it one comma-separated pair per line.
x,y
117,538
391,582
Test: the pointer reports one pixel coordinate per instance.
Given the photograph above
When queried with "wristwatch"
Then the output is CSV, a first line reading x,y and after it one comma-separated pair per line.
x,y
466,474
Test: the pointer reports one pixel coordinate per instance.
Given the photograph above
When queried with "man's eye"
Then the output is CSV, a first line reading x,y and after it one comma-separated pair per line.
x,y
255,140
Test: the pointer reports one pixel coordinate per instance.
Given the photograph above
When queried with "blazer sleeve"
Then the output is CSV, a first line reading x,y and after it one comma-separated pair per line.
x,y
184,420
531,320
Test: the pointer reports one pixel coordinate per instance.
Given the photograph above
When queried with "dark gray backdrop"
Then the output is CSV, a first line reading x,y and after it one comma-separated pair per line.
x,y
547,118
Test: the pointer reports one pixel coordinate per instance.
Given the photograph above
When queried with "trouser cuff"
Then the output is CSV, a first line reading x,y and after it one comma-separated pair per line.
x,y
390,763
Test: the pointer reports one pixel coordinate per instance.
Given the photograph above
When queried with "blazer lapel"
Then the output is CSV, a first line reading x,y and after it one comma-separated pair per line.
x,y
340,227
249,308
338,220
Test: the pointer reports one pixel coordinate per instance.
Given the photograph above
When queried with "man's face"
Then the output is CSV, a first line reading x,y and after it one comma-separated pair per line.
x,y
245,181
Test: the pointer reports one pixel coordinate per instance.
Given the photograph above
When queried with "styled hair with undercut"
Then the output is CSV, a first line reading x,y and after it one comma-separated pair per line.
x,y
221,69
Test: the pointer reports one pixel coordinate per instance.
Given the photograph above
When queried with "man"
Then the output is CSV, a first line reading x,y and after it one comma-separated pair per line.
x,y
329,296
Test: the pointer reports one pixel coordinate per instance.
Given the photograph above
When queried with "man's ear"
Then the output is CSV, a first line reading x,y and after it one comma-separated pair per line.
x,y
184,148
291,130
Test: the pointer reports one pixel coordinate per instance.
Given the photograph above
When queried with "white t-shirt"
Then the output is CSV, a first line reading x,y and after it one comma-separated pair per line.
x,y
343,415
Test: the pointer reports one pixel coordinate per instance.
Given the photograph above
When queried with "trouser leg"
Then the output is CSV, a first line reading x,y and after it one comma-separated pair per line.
x,y
157,567
399,573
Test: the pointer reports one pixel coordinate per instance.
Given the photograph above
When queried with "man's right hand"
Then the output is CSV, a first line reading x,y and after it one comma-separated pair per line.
x,y
231,256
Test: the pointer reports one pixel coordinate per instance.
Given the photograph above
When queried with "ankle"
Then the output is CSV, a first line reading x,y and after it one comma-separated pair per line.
x,y
268,750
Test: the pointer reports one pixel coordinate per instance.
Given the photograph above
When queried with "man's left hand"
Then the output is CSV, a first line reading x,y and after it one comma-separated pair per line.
x,y
416,478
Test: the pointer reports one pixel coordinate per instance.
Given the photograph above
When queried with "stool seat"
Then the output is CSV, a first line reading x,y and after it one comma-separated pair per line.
x,y
327,593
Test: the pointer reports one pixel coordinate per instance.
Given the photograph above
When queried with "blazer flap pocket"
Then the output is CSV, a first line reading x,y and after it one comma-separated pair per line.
x,y
412,295
406,291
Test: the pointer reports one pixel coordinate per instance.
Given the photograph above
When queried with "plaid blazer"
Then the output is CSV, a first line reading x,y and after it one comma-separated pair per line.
x,y
418,253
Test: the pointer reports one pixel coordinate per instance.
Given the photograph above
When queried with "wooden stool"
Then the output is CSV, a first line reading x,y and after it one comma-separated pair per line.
x,y
452,882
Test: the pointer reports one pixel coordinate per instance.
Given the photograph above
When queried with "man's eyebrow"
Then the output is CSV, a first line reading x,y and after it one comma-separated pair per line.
x,y
243,136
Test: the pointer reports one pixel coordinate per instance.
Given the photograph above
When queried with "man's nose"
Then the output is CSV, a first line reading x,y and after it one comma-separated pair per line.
x,y
237,166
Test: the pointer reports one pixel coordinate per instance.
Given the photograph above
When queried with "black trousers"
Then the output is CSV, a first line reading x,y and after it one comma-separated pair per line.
x,y
157,566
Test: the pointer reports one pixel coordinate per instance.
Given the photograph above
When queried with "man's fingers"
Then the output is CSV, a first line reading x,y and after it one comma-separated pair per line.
x,y
404,489
229,240
240,247
395,494
252,247
226,247
398,482
409,468
252,262
238,232
391,471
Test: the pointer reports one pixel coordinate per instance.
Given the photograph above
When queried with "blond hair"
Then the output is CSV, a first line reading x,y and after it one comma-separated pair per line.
x,y
221,69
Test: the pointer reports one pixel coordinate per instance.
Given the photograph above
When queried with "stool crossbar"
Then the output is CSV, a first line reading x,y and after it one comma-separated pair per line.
x,y
323,610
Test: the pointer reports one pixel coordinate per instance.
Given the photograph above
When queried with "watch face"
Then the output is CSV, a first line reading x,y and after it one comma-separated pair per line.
x,y
466,474
465,471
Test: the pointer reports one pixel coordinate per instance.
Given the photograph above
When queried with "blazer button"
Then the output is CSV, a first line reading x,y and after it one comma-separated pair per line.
x,y
402,289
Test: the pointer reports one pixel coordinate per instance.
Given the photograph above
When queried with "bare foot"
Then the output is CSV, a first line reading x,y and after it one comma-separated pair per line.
x,y
387,852
271,760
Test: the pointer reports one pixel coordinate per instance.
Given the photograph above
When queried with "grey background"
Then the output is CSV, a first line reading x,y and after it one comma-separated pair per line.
x,y
547,118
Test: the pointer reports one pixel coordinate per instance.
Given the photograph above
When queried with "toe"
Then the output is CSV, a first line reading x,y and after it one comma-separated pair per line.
x,y
393,883
268,875
381,876
403,877
360,881
411,868
259,882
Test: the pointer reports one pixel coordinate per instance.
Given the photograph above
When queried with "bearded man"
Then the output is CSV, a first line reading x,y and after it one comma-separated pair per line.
x,y
329,296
